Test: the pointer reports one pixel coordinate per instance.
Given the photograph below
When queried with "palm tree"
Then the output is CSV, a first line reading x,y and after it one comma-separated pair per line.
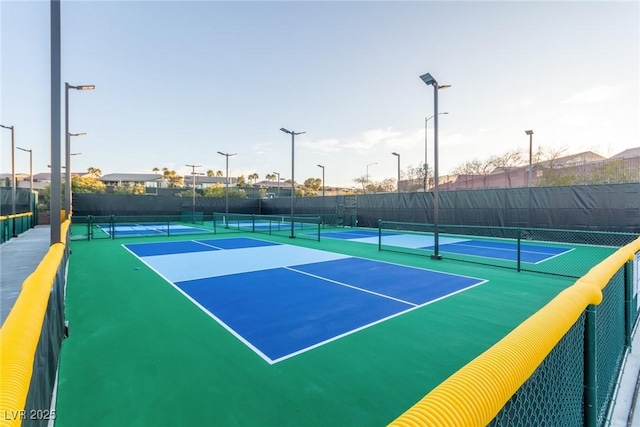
x,y
254,176
210,172
219,173
270,176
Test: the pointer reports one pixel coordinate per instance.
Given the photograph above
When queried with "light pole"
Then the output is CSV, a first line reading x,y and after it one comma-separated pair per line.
x,y
13,174
30,167
530,133
426,166
67,182
321,166
276,173
226,189
429,80
398,183
193,183
367,176
293,190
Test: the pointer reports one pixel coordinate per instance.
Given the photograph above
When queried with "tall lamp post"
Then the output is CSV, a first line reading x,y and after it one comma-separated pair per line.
x,y
67,181
30,167
398,183
68,185
429,80
276,173
293,190
530,133
426,166
367,176
322,166
226,189
13,174
193,184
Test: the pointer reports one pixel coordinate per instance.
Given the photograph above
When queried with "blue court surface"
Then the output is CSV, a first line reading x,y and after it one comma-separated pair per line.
x,y
507,251
149,229
283,300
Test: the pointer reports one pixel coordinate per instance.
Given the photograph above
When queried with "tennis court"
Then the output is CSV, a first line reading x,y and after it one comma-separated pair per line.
x,y
289,300
529,253
235,329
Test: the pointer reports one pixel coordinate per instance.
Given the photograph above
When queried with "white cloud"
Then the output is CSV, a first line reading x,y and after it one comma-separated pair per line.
x,y
595,95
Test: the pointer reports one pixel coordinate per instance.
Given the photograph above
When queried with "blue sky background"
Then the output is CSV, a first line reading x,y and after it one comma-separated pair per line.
x,y
178,81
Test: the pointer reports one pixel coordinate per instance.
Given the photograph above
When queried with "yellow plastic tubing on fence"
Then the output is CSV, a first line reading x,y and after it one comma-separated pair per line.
x,y
20,334
475,394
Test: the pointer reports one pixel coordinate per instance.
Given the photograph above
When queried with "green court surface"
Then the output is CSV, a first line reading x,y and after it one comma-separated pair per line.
x,y
140,353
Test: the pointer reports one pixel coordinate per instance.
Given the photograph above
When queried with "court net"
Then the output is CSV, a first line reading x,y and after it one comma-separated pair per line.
x,y
304,227
111,227
568,253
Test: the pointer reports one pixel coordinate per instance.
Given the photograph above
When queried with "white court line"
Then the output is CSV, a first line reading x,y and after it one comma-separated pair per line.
x,y
326,279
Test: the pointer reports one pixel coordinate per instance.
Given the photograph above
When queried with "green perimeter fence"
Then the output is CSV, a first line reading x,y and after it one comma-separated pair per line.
x,y
14,225
578,251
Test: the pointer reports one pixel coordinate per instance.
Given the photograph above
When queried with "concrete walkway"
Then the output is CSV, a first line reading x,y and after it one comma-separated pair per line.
x,y
19,257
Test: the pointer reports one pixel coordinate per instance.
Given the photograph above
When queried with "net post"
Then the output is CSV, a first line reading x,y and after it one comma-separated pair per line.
x,y
112,226
214,223
169,227
89,226
319,225
253,223
379,235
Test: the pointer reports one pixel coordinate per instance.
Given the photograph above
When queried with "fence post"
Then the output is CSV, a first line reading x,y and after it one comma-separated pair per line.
x,y
519,235
628,303
590,369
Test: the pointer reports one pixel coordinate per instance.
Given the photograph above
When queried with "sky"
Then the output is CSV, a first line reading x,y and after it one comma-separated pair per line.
x,y
179,81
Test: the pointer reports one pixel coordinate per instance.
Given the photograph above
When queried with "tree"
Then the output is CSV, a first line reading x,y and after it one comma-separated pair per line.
x,y
87,185
313,184
270,176
361,180
210,172
253,177
172,178
219,190
241,181
507,161
94,172
219,173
